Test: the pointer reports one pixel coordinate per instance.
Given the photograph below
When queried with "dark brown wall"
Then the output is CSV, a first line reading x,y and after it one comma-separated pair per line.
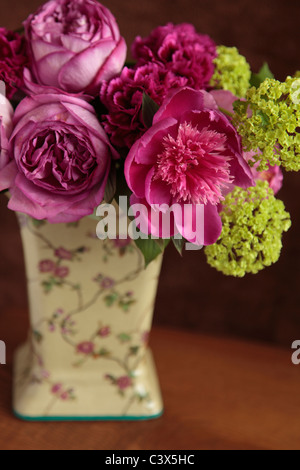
x,y
191,294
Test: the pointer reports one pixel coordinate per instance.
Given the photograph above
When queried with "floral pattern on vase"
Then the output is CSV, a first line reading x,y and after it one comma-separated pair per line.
x,y
91,306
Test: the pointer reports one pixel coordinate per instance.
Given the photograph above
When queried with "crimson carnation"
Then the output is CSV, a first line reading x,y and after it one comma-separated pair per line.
x,y
13,59
123,97
180,49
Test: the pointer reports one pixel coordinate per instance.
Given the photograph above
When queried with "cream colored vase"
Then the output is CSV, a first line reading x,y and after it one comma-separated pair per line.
x,y
91,306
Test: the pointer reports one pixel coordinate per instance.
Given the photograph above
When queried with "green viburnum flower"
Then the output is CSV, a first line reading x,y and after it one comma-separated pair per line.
x,y
269,120
232,71
253,223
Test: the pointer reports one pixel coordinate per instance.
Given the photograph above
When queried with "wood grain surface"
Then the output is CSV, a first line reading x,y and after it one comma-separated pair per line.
x,y
219,393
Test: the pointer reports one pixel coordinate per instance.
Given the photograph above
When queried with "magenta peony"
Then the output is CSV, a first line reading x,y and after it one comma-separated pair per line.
x,y
13,59
61,159
191,155
74,45
180,49
123,98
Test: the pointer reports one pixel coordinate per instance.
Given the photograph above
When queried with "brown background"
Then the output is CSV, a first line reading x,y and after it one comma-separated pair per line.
x,y
191,294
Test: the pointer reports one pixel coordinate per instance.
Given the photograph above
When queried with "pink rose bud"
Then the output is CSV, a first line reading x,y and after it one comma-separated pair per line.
x,y
74,45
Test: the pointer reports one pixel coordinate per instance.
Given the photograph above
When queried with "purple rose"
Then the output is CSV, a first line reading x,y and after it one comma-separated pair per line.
x,y
191,155
123,97
13,59
61,159
74,45
180,49
6,126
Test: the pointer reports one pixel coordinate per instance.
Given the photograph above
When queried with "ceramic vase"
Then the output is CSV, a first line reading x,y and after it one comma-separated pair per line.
x,y
91,304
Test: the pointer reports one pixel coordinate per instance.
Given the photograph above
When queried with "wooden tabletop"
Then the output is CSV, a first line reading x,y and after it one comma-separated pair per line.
x,y
219,394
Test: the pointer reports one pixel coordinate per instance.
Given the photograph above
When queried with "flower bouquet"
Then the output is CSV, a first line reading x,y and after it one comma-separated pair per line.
x,y
183,145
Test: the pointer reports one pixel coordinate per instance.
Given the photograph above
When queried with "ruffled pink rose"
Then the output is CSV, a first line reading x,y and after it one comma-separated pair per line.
x,y
74,45
61,159
13,59
123,97
6,126
191,155
180,49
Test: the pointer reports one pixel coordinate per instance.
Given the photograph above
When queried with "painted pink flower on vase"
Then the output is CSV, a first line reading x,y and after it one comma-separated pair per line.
x,y
74,45
62,271
60,159
86,347
46,266
62,253
104,331
124,382
182,50
56,388
191,156
107,283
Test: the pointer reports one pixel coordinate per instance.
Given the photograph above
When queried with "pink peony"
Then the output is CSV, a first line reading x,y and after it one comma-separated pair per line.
x,y
61,271
191,155
61,159
180,49
123,97
6,116
74,45
87,348
46,266
62,253
124,382
13,59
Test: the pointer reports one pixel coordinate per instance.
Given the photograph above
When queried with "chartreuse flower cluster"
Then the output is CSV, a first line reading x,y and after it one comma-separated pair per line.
x,y
232,71
253,223
269,120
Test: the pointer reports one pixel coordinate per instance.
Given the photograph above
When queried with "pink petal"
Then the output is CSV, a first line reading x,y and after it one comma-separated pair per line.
x,y
81,70
182,100
186,224
49,67
8,175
